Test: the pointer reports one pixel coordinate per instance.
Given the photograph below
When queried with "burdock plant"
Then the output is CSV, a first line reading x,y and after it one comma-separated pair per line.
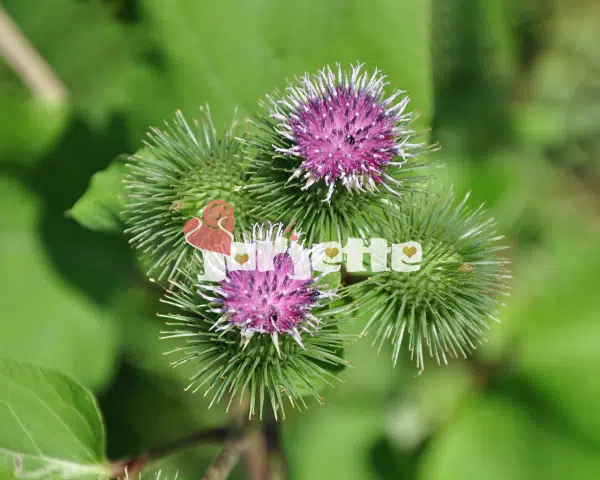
x,y
333,157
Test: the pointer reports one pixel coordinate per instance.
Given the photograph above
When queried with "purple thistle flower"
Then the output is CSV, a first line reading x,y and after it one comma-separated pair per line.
x,y
343,129
267,302
260,334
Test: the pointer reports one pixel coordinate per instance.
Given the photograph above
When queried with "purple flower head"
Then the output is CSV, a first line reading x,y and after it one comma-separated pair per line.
x,y
343,129
268,302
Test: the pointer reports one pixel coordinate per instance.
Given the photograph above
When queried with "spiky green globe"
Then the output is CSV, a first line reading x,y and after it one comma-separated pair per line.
x,y
242,360
443,309
329,152
181,169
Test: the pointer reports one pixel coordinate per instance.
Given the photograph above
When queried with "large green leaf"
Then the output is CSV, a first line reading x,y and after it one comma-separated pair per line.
x,y
45,320
230,53
51,425
499,438
100,206
557,320
332,441
29,126
486,441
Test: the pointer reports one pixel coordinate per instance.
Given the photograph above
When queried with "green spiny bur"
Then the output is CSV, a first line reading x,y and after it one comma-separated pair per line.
x,y
330,153
171,180
445,307
259,367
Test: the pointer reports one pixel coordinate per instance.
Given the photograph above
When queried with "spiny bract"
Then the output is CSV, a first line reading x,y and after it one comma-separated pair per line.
x,y
172,179
445,307
329,150
259,333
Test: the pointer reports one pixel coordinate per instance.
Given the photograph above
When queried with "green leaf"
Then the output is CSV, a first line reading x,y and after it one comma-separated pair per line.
x,y
51,425
213,62
29,126
332,441
485,436
557,319
498,438
100,206
426,403
494,31
47,321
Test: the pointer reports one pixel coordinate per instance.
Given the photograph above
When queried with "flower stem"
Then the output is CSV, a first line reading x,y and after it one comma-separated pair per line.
x,y
28,64
228,458
131,467
279,460
212,435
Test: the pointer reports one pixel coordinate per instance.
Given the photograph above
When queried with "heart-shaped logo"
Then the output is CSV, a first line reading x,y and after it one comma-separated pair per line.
x,y
241,258
409,251
331,252
214,232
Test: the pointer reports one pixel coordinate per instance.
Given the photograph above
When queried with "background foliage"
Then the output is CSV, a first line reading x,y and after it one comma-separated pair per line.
x,y
510,89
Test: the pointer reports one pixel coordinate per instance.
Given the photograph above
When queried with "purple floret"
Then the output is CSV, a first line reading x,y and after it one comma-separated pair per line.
x,y
269,302
343,130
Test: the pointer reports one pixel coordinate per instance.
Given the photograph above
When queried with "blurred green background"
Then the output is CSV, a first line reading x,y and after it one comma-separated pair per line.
x,y
511,89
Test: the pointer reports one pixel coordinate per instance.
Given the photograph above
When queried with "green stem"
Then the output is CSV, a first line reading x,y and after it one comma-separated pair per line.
x,y
131,467
227,458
